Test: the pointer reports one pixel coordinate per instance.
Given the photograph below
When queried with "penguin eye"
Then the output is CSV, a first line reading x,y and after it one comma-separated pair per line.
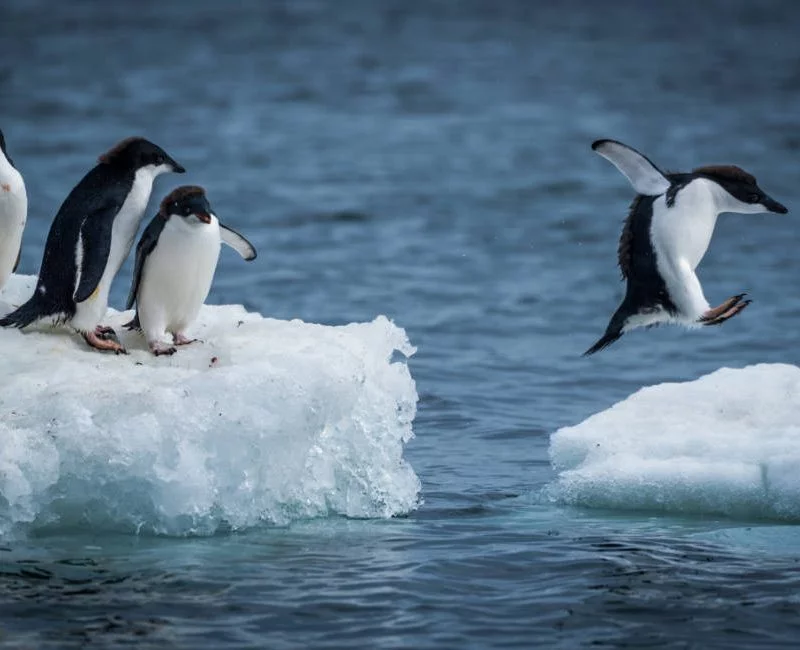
x,y
187,210
753,197
159,159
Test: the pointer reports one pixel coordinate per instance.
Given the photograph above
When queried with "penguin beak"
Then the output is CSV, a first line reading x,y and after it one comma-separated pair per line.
x,y
178,169
203,216
773,206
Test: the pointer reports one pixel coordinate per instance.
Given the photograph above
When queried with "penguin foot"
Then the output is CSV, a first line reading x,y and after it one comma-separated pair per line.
x,y
106,333
160,350
180,339
725,311
104,338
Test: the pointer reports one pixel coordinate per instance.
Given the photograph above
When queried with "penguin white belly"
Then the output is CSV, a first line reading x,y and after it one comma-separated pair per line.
x,y
91,311
13,215
177,277
680,235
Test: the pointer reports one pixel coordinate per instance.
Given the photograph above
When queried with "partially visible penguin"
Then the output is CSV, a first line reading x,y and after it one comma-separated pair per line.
x,y
13,213
89,240
667,233
176,258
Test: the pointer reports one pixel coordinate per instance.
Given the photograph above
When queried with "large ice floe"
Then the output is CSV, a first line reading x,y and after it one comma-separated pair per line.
x,y
725,444
263,422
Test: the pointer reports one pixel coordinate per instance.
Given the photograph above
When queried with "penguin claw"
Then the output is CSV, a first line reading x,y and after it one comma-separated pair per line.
x,y
180,339
729,313
720,314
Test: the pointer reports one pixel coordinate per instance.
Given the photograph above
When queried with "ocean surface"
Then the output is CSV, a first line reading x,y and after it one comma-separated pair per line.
x,y
431,162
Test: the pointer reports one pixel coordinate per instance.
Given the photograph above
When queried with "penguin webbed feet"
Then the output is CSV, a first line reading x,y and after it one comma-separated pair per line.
x,y
161,350
104,338
180,339
725,311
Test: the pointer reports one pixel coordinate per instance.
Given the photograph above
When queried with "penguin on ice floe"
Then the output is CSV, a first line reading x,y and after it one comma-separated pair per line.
x,y
176,258
13,213
89,240
665,236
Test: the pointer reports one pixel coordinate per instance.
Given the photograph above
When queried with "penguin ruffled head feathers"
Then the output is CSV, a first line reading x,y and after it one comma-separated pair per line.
x,y
188,202
137,153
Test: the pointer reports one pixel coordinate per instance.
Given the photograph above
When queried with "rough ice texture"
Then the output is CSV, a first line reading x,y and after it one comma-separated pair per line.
x,y
291,420
725,444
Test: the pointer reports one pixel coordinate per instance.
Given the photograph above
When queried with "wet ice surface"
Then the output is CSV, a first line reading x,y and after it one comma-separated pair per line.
x,y
260,422
727,443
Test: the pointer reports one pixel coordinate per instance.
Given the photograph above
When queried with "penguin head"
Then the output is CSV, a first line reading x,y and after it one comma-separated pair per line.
x,y
189,203
138,153
739,190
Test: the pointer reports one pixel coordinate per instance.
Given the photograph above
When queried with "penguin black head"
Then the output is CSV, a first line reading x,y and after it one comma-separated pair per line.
x,y
136,153
187,202
744,194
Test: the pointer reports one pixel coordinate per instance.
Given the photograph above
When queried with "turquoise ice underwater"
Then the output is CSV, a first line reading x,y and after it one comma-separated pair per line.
x,y
646,496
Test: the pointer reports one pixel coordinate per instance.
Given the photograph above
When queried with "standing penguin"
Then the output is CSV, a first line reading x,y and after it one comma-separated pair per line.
x,y
176,258
90,238
13,213
666,234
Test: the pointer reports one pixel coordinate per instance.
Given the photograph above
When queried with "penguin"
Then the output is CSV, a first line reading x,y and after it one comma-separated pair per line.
x,y
13,213
89,239
176,258
665,236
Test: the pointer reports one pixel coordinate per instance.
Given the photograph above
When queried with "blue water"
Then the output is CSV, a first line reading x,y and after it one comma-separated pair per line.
x,y
430,161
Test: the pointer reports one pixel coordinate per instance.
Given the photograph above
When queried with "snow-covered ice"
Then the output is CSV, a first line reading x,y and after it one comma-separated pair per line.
x,y
265,421
725,444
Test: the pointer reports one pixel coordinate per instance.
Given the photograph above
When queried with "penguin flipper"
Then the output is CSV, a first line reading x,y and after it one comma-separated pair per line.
x,y
237,242
145,246
95,242
16,264
645,177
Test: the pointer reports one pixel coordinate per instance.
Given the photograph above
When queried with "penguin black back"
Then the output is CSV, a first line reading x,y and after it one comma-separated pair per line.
x,y
3,147
103,187
99,195
637,262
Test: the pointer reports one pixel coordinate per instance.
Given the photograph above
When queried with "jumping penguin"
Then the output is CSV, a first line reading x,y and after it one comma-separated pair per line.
x,y
176,258
89,240
13,213
666,234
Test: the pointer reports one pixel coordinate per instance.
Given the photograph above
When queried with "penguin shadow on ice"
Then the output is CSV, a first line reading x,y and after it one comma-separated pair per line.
x,y
89,239
665,236
176,259
13,213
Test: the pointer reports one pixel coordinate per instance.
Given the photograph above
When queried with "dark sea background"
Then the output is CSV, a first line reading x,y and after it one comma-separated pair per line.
x,y
431,161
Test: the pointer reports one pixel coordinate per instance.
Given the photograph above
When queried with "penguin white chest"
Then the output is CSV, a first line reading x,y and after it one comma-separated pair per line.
x,y
177,276
13,214
123,231
127,221
683,231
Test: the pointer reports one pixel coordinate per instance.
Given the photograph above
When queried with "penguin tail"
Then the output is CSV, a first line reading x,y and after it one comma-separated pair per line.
x,y
604,341
614,330
25,314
